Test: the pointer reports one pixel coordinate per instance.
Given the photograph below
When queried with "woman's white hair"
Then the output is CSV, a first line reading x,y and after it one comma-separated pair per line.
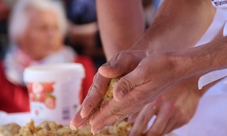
x,y
19,17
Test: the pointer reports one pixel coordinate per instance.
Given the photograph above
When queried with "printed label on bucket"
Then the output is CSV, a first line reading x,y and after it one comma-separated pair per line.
x,y
52,101
42,92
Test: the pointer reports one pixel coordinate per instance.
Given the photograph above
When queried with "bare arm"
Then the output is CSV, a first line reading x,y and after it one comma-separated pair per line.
x,y
206,58
178,24
206,87
121,22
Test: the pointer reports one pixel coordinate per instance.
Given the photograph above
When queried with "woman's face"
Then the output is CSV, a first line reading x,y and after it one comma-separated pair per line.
x,y
42,36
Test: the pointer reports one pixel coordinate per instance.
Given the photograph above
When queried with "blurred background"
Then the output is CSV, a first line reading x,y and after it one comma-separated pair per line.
x,y
82,29
39,32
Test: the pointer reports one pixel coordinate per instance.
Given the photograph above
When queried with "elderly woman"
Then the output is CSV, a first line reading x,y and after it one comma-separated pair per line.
x,y
37,29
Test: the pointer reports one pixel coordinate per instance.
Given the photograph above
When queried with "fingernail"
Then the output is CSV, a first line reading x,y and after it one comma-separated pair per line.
x,y
91,122
94,132
72,126
82,114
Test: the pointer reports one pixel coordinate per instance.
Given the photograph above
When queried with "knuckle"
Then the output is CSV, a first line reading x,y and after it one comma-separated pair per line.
x,y
171,107
91,90
94,89
184,114
180,113
184,119
134,98
140,99
119,117
135,132
116,114
126,85
155,132
114,110
143,119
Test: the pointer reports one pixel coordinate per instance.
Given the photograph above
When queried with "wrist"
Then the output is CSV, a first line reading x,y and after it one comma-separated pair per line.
x,y
195,61
183,64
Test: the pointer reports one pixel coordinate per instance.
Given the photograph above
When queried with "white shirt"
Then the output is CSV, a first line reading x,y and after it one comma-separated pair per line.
x,y
210,118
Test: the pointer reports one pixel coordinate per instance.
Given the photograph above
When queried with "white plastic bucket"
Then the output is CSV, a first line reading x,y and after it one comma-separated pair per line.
x,y
54,91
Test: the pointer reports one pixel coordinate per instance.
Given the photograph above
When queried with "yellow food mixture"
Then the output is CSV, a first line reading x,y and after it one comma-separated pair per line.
x,y
50,128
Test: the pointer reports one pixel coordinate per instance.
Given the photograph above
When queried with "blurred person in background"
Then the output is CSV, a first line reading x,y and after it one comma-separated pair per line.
x,y
4,14
149,11
36,30
83,32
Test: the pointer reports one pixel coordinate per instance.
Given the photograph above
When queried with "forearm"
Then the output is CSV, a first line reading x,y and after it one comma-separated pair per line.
x,y
178,24
121,23
203,59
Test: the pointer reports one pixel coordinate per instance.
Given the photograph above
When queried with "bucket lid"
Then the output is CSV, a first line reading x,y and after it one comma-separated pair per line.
x,y
53,71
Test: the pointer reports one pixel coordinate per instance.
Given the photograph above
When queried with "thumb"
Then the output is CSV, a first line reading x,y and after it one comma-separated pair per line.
x,y
121,64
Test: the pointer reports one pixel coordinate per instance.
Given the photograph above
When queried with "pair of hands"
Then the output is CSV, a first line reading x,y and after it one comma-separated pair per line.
x,y
145,79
